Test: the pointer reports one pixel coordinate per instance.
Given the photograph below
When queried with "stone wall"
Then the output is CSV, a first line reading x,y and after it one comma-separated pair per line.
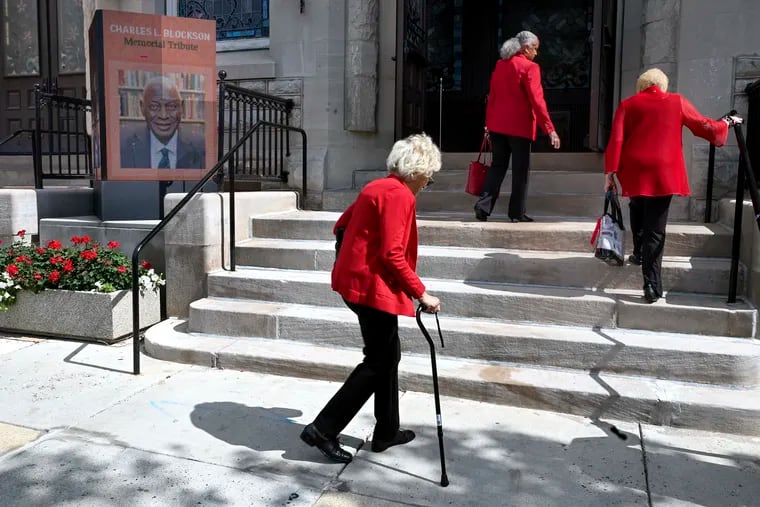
x,y
718,51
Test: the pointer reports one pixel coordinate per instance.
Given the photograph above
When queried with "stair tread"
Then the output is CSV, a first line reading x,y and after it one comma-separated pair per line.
x,y
688,343
624,296
468,252
317,360
457,219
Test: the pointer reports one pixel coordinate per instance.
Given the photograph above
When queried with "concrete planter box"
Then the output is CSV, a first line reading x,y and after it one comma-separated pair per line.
x,y
92,316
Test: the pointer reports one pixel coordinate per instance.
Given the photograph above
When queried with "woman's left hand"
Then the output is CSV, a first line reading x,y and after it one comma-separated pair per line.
x,y
609,182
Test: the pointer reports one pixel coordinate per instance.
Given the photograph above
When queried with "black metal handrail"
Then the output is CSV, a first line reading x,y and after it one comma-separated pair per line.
x,y
64,140
215,171
17,133
262,157
744,172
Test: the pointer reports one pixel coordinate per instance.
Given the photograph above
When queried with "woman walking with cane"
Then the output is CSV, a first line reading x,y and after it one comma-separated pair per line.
x,y
375,274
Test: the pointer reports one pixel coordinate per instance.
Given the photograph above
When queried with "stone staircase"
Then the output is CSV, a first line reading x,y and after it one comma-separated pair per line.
x,y
529,316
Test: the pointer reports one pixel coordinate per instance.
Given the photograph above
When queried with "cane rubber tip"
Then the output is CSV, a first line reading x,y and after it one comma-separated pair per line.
x,y
444,481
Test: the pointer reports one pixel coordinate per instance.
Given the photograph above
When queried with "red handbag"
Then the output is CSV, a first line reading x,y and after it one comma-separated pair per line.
x,y
477,171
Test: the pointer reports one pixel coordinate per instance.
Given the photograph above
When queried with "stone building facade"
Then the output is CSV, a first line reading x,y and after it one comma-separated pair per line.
x,y
337,60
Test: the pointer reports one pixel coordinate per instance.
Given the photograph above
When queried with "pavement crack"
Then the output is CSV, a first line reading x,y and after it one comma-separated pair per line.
x,y
646,469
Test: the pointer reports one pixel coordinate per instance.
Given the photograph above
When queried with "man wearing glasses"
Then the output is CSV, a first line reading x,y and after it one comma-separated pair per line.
x,y
160,143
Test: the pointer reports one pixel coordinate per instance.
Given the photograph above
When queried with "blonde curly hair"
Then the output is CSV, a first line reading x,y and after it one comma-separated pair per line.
x,y
414,155
652,77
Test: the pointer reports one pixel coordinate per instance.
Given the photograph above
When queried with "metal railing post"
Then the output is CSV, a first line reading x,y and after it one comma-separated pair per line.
x,y
737,237
710,177
37,142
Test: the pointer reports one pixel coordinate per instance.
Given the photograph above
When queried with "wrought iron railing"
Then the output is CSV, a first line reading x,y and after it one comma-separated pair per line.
x,y
62,148
744,177
263,156
224,161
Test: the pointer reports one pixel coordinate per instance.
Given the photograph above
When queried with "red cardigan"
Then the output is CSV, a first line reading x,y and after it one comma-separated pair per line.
x,y
646,143
516,99
378,256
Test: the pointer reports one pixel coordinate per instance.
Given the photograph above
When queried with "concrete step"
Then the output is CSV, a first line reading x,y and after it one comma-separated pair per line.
x,y
715,360
551,268
578,205
541,182
551,234
591,394
678,313
580,162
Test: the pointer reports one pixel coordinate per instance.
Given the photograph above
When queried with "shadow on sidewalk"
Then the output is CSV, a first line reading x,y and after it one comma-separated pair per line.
x,y
260,429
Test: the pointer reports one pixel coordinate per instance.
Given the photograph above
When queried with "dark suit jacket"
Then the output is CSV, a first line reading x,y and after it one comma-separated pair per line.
x,y
135,150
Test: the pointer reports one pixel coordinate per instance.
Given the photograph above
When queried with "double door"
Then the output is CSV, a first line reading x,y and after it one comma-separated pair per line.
x,y
41,42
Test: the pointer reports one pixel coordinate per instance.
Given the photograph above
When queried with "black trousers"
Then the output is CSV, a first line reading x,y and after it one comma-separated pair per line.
x,y
649,216
377,374
504,147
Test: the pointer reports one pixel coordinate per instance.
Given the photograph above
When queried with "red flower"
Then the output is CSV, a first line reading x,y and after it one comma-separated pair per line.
x,y
1,241
12,269
121,269
89,255
146,264
21,233
54,244
24,259
40,250
56,259
68,265
76,240
54,276
85,239
37,276
113,244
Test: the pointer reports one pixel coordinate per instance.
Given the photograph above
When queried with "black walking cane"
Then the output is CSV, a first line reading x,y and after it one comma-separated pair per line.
x,y
444,477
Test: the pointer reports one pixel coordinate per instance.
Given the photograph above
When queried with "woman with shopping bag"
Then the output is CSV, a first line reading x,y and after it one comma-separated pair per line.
x,y
645,151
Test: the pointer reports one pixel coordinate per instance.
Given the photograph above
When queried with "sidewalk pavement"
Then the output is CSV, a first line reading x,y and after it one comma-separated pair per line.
x,y
78,429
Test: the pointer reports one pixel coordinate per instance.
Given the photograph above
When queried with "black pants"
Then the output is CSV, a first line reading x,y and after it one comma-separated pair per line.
x,y
504,147
649,216
377,374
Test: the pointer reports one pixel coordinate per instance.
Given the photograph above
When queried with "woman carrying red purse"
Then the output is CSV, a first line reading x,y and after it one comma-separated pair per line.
x,y
515,101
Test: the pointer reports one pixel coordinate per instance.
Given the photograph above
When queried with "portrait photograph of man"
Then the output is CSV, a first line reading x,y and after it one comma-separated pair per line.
x,y
161,123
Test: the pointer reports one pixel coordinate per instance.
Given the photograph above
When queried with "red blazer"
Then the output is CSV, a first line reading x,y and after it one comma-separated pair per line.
x,y
646,143
378,256
516,99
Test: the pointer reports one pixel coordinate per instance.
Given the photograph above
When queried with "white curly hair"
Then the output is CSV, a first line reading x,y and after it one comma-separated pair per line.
x,y
652,77
513,46
413,156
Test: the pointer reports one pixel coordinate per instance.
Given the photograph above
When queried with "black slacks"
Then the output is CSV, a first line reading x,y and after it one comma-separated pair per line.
x,y
504,147
377,374
649,216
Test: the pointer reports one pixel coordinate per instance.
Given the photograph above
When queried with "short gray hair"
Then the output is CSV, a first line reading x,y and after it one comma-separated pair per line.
x,y
652,77
513,46
526,38
413,156
510,48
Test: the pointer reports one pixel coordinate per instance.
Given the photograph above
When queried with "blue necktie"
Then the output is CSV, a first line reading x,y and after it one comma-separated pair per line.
x,y
164,162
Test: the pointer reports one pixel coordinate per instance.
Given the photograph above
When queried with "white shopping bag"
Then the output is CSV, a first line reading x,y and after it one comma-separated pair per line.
x,y
609,235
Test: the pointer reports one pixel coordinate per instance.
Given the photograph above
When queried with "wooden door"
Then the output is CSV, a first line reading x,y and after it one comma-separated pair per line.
x,y
411,66
41,41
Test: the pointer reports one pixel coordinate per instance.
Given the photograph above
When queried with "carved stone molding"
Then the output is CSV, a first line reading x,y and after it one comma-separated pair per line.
x,y
362,54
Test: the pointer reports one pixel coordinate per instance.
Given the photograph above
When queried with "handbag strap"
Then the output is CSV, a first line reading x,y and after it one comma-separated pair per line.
x,y
612,204
484,145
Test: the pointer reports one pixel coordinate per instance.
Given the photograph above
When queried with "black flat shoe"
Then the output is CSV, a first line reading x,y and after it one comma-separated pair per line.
x,y
634,259
327,446
401,438
480,214
650,294
524,218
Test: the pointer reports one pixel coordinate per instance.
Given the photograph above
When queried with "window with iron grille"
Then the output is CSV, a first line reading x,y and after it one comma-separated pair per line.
x,y
235,19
